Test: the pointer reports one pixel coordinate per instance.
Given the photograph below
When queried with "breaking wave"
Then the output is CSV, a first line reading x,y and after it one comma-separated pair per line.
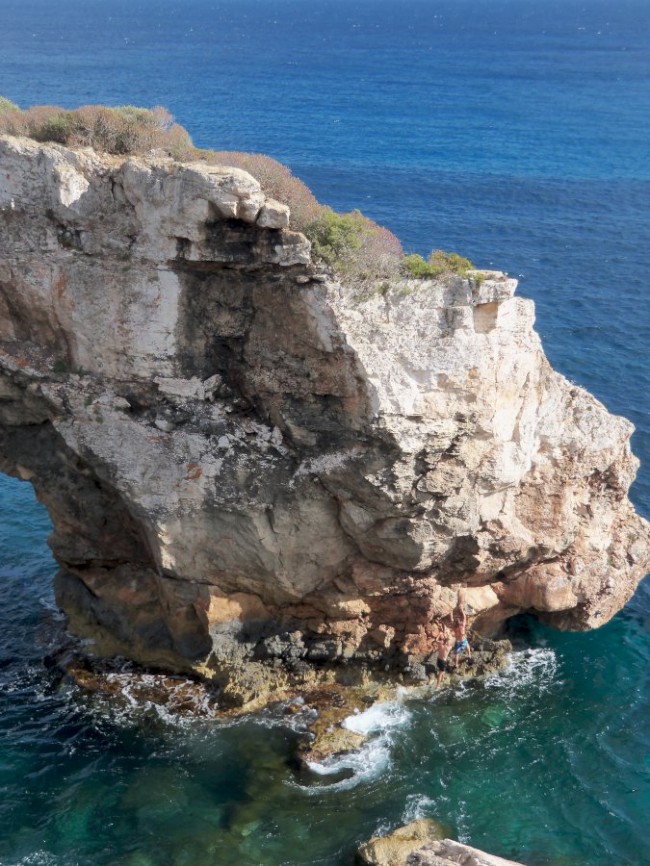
x,y
532,669
379,723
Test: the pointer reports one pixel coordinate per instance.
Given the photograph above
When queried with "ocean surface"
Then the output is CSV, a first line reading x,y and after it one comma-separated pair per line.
x,y
516,132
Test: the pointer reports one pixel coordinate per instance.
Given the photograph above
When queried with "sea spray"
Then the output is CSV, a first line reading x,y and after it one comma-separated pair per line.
x,y
379,723
528,670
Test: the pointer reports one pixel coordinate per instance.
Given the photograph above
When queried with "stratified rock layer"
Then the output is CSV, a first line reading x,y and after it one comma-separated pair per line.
x,y
244,462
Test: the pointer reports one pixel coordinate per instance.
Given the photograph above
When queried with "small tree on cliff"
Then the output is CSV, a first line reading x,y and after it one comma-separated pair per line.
x,y
440,263
356,246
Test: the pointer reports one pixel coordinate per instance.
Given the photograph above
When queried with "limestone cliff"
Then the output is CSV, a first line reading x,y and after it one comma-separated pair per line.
x,y
244,462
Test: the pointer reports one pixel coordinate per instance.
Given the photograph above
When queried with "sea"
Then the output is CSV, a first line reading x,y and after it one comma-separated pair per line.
x,y
515,132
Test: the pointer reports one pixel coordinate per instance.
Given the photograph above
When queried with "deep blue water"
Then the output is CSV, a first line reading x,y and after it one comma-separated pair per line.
x,y
513,131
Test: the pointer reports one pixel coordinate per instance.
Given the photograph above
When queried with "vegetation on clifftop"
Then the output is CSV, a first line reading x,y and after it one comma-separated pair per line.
x,y
438,264
364,252
122,130
355,246
7,105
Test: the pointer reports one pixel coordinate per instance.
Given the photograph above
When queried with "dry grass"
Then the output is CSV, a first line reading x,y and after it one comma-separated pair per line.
x,y
361,250
123,130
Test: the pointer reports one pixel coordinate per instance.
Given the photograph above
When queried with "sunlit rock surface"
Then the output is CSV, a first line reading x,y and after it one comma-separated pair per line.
x,y
447,852
250,468
395,848
421,843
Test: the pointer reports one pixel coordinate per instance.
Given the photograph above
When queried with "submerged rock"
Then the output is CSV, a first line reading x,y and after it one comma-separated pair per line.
x,y
253,474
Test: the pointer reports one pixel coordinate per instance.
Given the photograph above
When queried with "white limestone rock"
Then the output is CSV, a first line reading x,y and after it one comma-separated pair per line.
x,y
356,466
273,215
447,852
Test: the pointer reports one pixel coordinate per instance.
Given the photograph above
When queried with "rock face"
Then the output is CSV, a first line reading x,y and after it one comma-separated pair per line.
x,y
247,464
421,843
450,853
394,849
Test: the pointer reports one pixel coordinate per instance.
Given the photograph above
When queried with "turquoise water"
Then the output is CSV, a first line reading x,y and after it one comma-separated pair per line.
x,y
549,762
513,131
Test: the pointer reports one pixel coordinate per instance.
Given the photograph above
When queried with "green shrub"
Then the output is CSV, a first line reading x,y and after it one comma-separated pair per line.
x,y
450,263
439,264
55,128
336,238
415,266
354,245
138,130
7,105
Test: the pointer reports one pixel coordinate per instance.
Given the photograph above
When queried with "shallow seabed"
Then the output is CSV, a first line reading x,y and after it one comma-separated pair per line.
x,y
539,763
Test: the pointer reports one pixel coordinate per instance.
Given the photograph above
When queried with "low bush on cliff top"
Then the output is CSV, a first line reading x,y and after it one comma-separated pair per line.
x,y
439,264
356,246
365,253
122,130
7,105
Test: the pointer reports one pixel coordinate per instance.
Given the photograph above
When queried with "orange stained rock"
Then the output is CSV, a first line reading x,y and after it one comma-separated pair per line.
x,y
238,606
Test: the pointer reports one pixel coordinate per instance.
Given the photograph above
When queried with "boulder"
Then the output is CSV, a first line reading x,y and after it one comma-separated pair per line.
x,y
395,848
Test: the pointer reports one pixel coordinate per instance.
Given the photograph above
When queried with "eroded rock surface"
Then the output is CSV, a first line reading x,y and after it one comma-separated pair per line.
x,y
250,468
447,852
395,848
422,843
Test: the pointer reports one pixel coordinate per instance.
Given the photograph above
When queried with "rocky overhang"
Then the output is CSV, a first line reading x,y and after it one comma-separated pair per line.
x,y
249,466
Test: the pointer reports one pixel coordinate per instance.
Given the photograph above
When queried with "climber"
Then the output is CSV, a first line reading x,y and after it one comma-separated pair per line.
x,y
460,633
444,643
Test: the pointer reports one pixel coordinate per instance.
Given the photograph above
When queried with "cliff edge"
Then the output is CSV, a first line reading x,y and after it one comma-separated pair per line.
x,y
248,465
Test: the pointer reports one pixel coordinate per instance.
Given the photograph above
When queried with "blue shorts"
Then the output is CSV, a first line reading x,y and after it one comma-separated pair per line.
x,y
461,645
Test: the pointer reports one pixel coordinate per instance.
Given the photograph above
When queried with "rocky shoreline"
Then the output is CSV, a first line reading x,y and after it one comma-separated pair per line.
x,y
323,701
324,715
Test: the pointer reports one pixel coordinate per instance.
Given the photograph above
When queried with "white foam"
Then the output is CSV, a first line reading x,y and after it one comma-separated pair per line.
x,y
530,669
368,763
37,858
383,828
379,724
183,704
377,719
418,806
462,823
